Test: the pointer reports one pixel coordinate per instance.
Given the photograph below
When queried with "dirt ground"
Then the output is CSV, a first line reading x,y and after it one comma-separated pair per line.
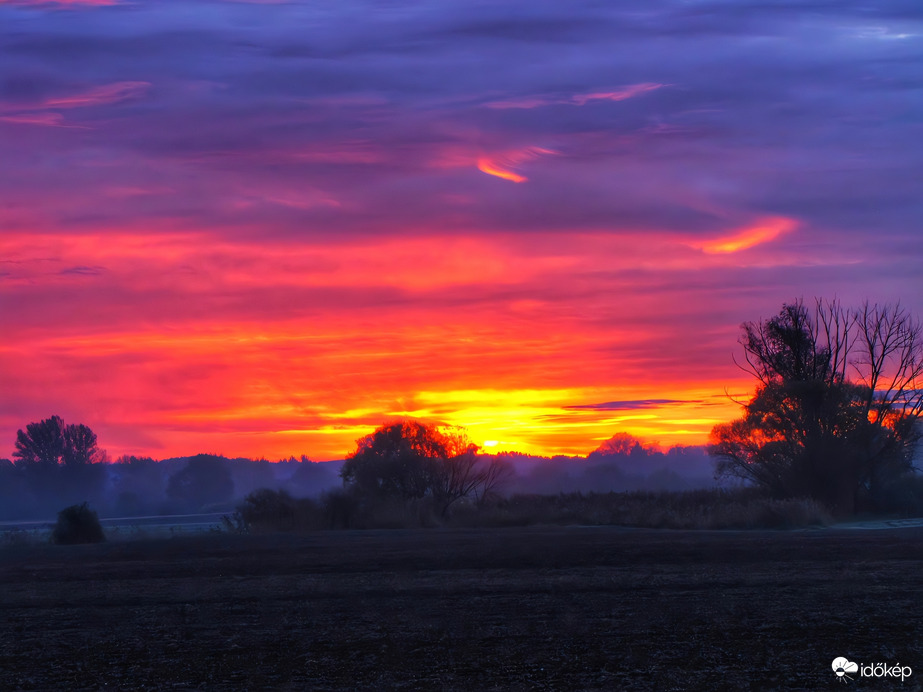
x,y
503,609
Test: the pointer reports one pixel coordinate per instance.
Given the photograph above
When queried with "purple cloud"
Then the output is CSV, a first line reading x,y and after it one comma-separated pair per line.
x,y
629,405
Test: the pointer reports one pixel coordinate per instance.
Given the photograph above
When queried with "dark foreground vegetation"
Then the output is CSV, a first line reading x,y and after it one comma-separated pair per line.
x,y
77,524
740,508
508,609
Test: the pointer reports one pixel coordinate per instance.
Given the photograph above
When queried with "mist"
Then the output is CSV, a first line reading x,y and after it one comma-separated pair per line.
x,y
135,486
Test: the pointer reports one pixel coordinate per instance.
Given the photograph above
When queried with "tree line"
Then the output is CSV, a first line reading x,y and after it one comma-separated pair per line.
x,y
835,418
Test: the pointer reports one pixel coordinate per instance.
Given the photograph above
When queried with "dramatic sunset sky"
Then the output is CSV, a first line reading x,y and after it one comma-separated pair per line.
x,y
263,228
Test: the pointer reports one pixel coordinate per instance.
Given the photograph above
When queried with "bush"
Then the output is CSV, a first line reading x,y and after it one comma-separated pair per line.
x,y
902,497
740,508
77,524
275,510
695,509
341,509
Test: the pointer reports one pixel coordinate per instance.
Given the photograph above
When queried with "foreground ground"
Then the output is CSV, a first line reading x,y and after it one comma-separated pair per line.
x,y
540,608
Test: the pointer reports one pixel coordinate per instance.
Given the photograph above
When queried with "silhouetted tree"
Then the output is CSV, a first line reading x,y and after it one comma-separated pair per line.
x,y
410,460
810,430
79,446
621,444
41,443
492,475
59,462
205,480
398,460
50,442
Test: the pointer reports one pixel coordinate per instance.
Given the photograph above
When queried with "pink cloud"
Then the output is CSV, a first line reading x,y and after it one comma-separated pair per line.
x,y
43,113
43,119
98,96
617,95
621,94
65,3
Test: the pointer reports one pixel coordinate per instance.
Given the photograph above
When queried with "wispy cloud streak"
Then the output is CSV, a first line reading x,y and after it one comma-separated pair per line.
x,y
61,3
762,232
500,165
619,94
98,96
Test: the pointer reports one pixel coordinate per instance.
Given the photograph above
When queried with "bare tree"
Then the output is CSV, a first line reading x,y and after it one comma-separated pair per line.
x,y
470,475
493,475
890,363
837,407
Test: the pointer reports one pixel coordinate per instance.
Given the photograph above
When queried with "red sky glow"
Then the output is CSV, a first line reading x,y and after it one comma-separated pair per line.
x,y
263,229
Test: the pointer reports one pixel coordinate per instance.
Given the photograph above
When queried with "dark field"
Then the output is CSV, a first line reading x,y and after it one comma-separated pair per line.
x,y
544,608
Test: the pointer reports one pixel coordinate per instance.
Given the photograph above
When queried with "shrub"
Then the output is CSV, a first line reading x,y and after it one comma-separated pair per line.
x,y
275,510
696,509
77,524
740,508
902,496
341,509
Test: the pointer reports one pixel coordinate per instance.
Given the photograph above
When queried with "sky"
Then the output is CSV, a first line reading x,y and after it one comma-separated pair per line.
x,y
265,228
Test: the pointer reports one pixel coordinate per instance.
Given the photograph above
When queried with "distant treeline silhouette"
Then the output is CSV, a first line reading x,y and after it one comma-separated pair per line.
x,y
44,478
835,422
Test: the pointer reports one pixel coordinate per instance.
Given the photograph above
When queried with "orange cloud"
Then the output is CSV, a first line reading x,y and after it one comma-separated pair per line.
x,y
499,165
762,232
487,166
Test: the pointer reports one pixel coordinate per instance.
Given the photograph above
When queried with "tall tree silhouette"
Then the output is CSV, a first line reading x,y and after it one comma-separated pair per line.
x,y
58,462
41,443
837,407
50,442
80,446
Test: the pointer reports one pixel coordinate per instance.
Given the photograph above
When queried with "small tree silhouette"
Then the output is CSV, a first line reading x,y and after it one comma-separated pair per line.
x,y
409,460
